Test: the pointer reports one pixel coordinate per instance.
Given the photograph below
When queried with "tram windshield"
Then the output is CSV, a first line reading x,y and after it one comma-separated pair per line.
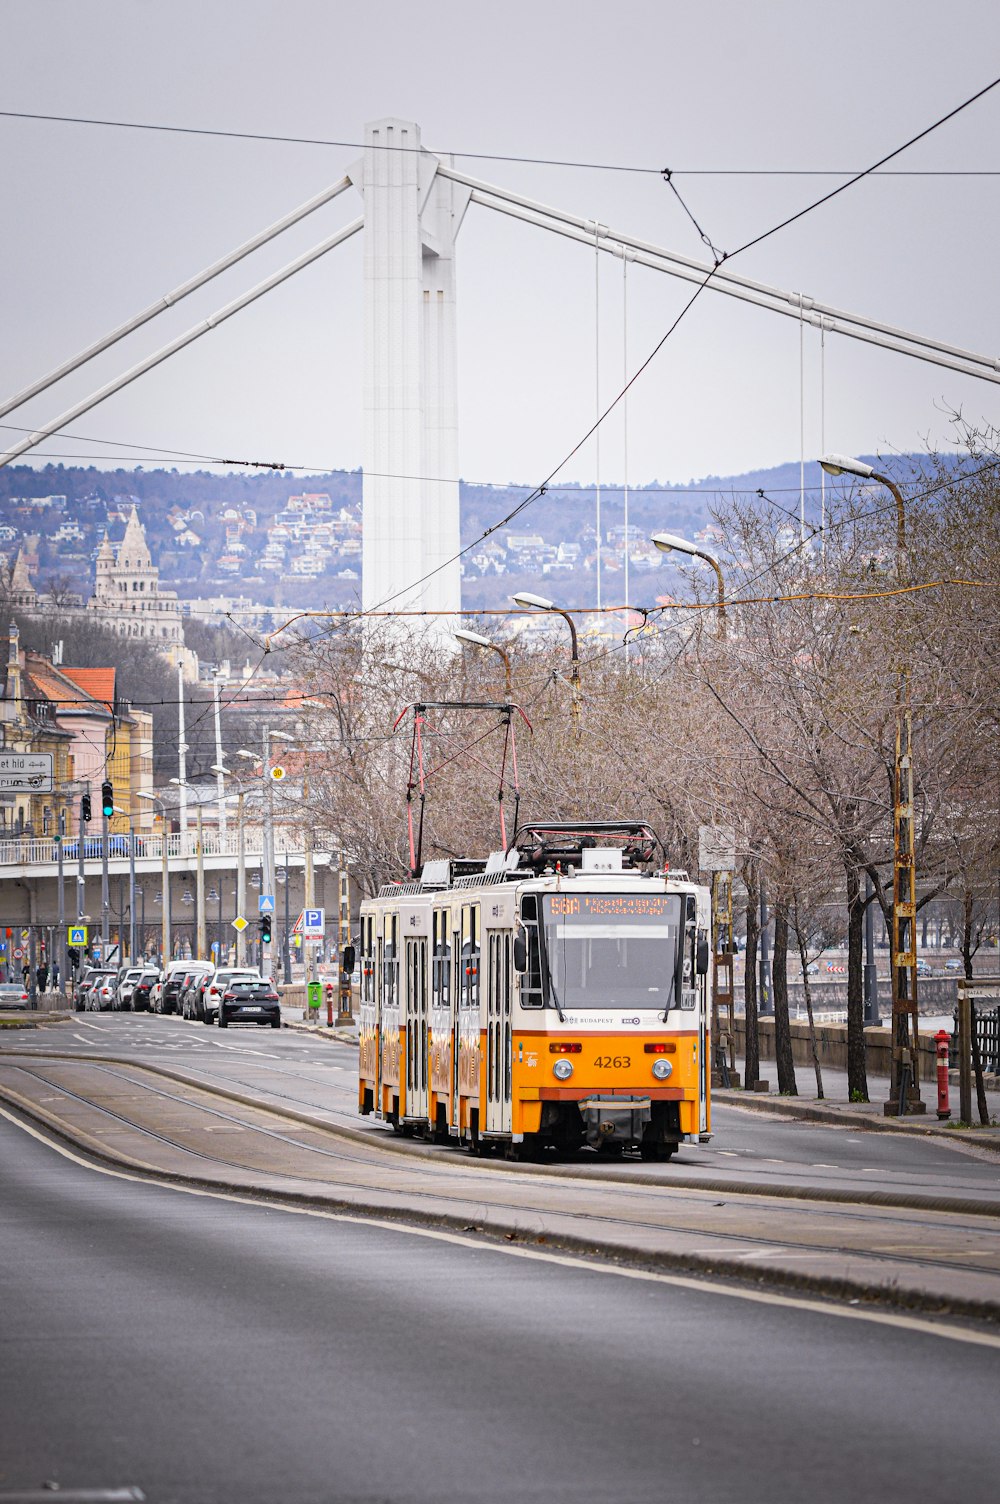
x,y
611,950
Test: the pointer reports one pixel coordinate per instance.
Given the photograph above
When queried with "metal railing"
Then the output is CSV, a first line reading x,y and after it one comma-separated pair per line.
x,y
39,851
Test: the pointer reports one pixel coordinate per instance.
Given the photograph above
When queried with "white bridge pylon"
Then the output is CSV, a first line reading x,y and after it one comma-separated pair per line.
x,y
413,213
414,204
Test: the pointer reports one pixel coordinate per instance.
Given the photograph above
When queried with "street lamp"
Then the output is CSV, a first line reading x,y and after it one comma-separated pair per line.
x,y
200,940
539,603
671,543
241,861
165,936
269,736
131,881
904,1093
478,641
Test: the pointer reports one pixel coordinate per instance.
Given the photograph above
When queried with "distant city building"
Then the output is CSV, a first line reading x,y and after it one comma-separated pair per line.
x,y
127,597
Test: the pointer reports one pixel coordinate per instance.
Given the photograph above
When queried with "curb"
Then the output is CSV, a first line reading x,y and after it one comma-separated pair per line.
x,y
789,1107
741,1272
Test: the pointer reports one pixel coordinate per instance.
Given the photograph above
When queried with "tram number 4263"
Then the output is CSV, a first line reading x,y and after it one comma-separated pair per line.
x,y
613,1062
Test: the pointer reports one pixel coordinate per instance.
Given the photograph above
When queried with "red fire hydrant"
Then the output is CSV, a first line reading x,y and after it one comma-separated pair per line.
x,y
329,1004
941,1045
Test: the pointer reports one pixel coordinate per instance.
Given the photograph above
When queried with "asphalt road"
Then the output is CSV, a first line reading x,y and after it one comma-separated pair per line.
x,y
214,1352
299,1071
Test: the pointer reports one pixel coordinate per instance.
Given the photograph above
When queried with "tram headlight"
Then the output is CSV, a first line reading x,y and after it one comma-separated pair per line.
x,y
662,1069
562,1070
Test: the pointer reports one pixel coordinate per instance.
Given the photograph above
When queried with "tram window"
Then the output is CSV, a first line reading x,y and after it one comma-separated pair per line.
x,y
441,974
531,980
470,975
390,967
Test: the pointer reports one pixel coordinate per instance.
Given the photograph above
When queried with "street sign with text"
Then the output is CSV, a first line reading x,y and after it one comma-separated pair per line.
x,y
26,772
313,924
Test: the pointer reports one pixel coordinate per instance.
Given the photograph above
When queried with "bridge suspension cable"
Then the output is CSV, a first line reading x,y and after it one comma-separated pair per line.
x,y
212,322
169,299
791,304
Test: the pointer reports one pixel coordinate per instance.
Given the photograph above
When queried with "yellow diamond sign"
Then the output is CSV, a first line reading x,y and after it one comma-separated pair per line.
x,y
240,924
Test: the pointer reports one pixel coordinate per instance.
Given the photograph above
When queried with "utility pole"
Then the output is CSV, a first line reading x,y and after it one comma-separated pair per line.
x,y
345,1014
200,890
61,901
241,880
105,896
266,967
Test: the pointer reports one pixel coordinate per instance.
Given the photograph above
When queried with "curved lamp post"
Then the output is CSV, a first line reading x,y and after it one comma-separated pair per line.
x,y
671,543
904,1089
539,603
842,464
478,641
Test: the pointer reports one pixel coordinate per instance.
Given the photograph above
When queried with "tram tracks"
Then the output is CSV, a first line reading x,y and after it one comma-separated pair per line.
x,y
430,1186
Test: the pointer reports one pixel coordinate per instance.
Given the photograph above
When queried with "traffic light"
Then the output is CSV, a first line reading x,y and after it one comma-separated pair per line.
x,y
85,809
265,929
107,799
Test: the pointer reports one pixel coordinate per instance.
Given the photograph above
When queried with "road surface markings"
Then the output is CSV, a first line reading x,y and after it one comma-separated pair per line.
x,y
678,1281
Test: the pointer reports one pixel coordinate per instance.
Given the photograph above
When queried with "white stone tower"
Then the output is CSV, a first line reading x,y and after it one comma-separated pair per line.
x,y
411,519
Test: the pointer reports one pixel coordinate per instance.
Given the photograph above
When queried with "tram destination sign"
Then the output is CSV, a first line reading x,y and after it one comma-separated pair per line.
x,y
26,772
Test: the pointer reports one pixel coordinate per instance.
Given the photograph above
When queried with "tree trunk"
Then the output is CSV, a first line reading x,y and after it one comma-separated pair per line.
x,y
804,963
752,1061
857,1070
779,976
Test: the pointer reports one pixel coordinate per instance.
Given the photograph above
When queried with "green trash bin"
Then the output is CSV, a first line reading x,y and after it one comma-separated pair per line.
x,y
315,995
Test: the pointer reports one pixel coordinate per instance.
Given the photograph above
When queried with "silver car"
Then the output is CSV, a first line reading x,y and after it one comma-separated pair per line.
x,y
12,995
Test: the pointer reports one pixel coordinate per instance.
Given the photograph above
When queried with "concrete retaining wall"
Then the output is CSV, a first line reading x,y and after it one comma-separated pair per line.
x,y
831,1046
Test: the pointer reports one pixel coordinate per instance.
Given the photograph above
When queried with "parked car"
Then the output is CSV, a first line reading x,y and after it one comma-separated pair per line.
x,y
953,964
193,999
924,968
173,983
249,1000
218,984
101,992
93,846
12,995
142,1001
124,986
83,986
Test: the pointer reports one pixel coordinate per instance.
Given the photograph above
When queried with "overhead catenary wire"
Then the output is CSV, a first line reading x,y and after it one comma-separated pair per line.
x,y
591,166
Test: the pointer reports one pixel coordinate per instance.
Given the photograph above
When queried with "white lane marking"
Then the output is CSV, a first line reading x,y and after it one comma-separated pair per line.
x,y
824,1167
564,1260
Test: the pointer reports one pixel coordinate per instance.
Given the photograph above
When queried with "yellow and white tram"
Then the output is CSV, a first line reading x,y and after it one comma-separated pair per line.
x,y
556,995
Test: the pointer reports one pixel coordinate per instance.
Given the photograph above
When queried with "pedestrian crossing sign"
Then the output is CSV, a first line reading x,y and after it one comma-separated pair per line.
x,y
265,903
77,934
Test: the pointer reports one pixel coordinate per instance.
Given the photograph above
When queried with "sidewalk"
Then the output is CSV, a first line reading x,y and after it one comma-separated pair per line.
x,y
835,1106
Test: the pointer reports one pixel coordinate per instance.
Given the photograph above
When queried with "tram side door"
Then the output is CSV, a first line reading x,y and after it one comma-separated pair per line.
x,y
498,1032
379,992
457,992
416,1027
498,920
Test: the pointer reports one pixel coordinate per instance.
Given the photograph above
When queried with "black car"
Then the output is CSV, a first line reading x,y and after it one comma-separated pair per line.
x,y
249,1001
142,989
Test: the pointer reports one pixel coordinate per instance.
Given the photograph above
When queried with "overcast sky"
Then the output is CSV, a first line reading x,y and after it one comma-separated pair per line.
x,y
98,222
